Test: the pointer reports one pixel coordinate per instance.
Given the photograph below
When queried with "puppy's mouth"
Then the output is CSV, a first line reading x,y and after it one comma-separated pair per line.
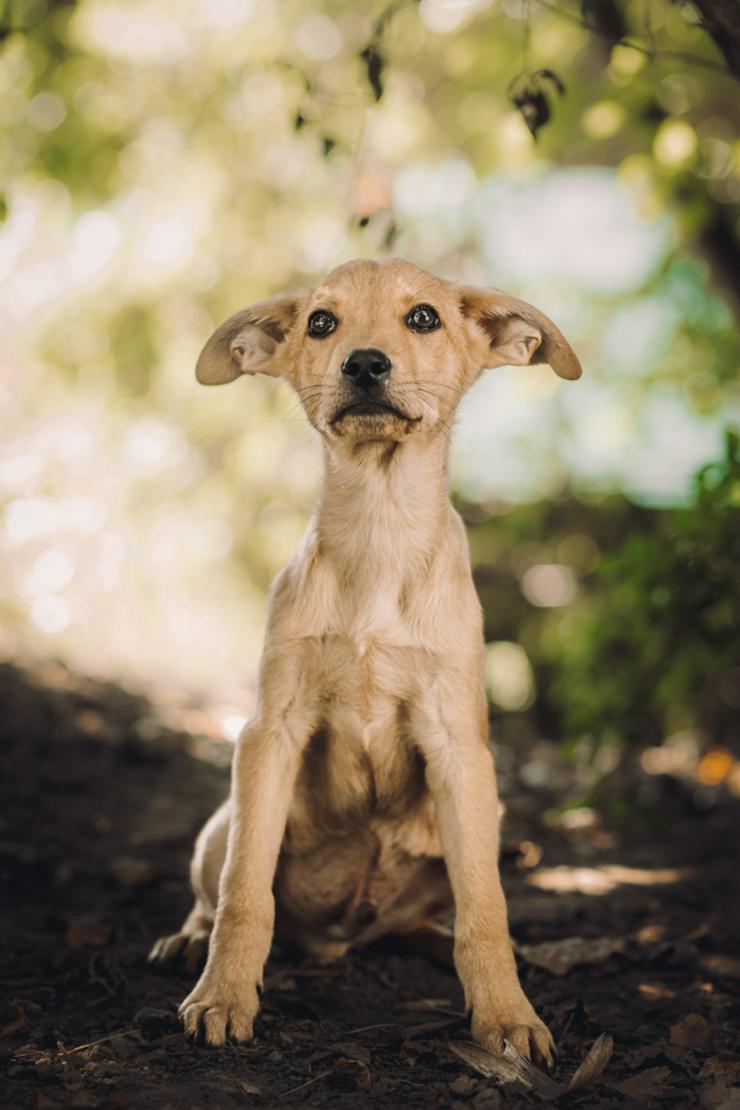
x,y
371,409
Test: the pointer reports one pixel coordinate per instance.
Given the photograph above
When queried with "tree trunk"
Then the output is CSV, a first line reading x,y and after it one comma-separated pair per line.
x,y
721,19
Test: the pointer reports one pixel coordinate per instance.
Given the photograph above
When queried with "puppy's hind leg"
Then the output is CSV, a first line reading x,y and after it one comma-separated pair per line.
x,y
191,943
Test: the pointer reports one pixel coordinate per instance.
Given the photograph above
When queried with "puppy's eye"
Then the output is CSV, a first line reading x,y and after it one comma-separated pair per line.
x,y
423,318
321,323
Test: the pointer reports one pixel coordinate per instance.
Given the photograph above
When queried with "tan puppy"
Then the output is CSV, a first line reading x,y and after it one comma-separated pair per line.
x,y
365,777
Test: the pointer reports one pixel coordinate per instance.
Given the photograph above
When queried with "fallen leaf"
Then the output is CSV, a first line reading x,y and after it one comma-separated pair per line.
x,y
725,1066
560,956
634,1057
651,934
510,1067
363,1077
720,1074
722,965
87,934
692,1031
507,1067
597,1057
16,1020
130,871
646,1084
463,1085
655,991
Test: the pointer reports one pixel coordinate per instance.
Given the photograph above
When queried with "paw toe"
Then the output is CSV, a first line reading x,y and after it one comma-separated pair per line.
x,y
207,1015
518,1037
543,1044
533,1042
167,948
240,1025
529,1039
214,1021
187,947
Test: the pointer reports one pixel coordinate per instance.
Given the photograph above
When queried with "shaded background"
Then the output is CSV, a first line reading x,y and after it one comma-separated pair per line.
x,y
168,163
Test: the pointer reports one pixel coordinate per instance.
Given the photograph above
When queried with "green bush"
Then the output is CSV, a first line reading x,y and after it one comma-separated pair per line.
x,y
655,645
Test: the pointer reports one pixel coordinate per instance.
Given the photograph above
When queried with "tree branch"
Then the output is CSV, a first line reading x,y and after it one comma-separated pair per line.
x,y
672,55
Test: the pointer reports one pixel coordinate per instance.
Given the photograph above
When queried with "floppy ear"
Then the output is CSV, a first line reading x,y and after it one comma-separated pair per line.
x,y
252,341
510,332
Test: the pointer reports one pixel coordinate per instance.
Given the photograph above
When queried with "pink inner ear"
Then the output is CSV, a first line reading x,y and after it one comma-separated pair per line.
x,y
516,341
518,332
251,348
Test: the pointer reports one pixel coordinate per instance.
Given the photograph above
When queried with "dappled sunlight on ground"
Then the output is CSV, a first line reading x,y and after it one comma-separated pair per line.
x,y
603,879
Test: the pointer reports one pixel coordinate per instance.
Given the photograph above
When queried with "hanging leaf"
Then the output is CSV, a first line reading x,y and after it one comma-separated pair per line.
x,y
530,93
374,67
534,107
550,75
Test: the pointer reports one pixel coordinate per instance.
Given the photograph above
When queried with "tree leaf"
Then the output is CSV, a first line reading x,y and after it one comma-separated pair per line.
x,y
374,67
597,1057
534,107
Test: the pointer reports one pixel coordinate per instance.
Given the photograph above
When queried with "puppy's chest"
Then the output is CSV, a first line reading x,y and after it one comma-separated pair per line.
x,y
361,762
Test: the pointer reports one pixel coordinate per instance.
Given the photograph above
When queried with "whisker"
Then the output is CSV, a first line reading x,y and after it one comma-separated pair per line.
x,y
304,402
314,385
438,385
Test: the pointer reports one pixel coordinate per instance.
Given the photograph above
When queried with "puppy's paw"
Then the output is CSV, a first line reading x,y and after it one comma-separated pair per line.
x,y
219,1010
188,948
521,1028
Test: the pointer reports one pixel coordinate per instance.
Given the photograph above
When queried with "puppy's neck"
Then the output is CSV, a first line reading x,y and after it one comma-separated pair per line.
x,y
383,505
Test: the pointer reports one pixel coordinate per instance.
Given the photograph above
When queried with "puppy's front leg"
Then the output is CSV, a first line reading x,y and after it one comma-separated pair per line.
x,y
225,1000
451,730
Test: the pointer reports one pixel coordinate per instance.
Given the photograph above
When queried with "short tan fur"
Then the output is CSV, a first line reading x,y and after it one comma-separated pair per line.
x,y
363,794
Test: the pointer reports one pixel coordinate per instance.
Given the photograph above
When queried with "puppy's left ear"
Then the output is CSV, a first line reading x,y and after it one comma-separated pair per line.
x,y
508,332
253,341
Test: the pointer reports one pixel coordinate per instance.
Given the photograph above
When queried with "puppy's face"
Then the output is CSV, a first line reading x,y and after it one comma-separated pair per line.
x,y
382,351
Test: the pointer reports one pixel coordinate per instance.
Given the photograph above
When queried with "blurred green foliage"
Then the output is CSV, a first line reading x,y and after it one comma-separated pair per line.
x,y
654,648
648,646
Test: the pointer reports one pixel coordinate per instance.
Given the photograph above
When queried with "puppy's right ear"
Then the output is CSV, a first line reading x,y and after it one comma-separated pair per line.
x,y
253,341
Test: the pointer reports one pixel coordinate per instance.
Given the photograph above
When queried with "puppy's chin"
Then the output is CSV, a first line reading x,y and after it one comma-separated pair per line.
x,y
371,429
370,421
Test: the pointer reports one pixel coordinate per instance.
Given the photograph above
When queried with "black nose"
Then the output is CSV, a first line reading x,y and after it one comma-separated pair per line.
x,y
366,367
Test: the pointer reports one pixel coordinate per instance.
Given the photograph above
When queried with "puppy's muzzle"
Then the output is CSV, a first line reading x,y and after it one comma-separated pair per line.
x,y
366,368
366,378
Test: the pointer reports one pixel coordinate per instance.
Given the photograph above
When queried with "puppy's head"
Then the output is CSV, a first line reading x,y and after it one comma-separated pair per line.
x,y
383,350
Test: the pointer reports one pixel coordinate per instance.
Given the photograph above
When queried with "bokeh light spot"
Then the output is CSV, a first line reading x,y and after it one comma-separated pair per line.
x,y
508,673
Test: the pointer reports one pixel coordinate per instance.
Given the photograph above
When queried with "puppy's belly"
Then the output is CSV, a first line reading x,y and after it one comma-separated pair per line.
x,y
361,823
344,887
319,886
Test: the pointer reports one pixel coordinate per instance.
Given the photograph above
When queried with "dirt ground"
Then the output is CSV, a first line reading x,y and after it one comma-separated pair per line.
x,y
633,932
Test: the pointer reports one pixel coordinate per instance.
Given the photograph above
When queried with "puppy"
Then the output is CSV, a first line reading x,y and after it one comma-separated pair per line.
x,y
363,794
